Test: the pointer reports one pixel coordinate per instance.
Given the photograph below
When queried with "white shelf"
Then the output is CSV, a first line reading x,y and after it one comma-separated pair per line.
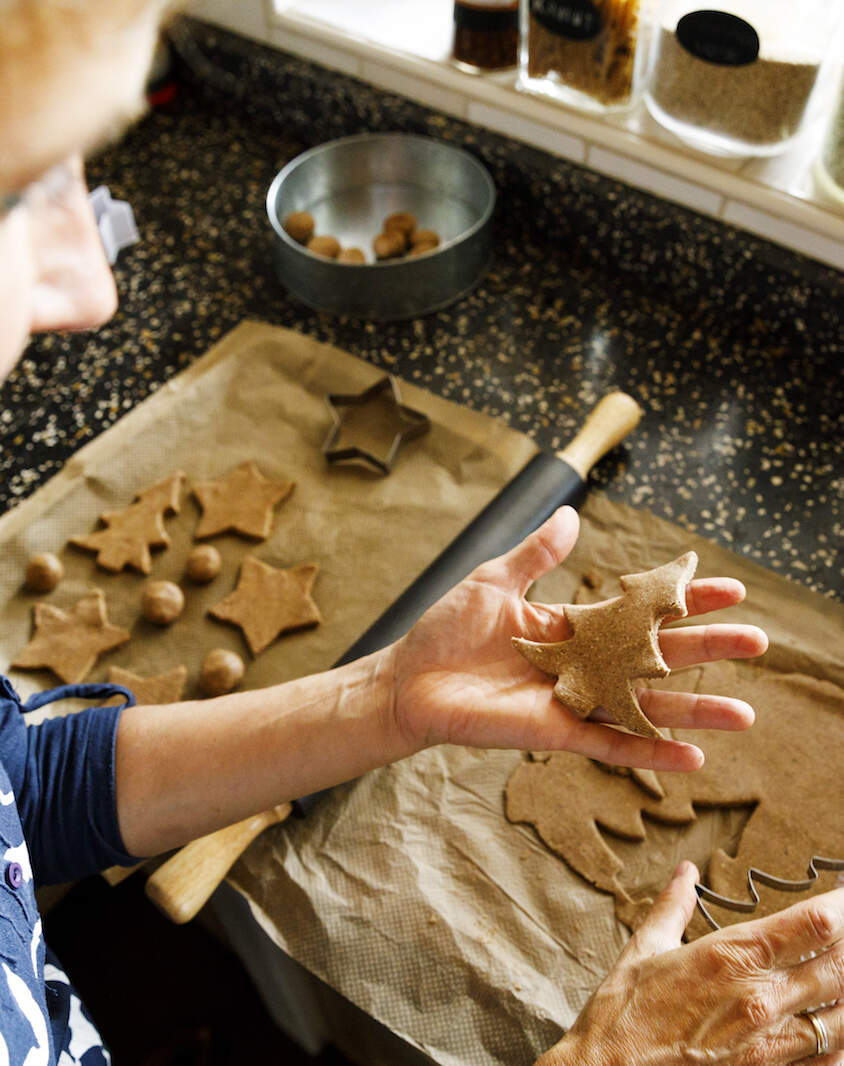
x,y
402,46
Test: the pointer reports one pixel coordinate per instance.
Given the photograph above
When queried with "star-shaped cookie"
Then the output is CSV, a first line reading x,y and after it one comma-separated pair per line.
x,y
70,642
160,688
129,534
241,501
615,642
268,602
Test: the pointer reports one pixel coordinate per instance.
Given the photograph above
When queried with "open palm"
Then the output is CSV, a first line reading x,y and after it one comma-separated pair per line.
x,y
458,679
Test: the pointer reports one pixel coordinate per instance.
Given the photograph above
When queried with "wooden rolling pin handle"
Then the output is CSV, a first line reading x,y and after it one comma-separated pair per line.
x,y
181,886
612,418
115,875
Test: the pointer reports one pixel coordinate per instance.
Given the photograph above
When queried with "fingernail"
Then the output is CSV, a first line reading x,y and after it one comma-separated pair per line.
x,y
701,758
683,870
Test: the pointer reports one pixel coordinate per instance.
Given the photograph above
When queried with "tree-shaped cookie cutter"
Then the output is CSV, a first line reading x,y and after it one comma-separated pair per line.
x,y
761,877
414,424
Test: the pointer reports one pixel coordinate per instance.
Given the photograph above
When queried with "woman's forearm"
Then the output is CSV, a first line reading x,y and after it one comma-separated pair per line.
x,y
189,768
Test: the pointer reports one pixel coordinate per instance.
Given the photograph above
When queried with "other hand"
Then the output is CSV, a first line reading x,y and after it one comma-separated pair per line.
x,y
732,998
458,679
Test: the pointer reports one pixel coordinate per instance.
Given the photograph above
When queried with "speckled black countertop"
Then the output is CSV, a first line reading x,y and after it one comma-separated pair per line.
x,y
732,345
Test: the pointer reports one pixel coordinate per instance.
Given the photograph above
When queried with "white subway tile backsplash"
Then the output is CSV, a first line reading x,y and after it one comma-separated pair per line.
x,y
439,97
780,230
552,140
248,17
652,180
317,51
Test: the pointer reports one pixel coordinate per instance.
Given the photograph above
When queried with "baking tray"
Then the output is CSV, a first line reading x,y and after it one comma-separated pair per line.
x,y
350,186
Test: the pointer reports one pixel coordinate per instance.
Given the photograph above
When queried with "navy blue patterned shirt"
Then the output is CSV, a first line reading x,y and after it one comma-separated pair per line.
x,y
58,822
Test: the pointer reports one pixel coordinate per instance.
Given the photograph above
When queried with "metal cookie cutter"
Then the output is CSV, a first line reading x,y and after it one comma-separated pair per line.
x,y
753,876
413,424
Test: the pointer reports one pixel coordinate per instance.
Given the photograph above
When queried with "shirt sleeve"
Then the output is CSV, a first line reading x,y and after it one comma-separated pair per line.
x,y
62,772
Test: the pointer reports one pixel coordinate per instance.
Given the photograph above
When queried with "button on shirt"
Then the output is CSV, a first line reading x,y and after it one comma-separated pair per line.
x,y
58,822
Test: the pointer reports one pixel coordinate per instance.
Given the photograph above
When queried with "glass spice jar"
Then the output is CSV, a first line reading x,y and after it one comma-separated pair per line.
x,y
486,35
737,80
829,167
583,52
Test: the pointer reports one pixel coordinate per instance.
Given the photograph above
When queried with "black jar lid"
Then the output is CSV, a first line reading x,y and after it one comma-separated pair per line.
x,y
494,19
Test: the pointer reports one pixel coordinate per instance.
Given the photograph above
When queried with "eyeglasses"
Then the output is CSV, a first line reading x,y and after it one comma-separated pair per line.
x,y
49,188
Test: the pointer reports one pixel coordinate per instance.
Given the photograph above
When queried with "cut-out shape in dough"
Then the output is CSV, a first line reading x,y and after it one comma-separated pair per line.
x,y
786,768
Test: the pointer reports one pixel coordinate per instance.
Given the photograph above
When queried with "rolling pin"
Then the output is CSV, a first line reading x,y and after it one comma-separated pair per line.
x,y
180,886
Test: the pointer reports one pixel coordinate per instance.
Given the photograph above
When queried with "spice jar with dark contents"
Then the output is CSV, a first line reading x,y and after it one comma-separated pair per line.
x,y
486,35
738,80
586,53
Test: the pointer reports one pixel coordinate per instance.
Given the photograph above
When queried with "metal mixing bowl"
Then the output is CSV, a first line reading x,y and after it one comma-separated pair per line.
x,y
350,186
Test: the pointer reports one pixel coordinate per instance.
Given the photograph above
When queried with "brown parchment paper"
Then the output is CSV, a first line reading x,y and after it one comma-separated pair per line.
x,y
258,394
409,893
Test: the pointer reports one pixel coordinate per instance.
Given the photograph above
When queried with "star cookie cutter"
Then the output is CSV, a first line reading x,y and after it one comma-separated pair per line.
x,y
754,877
415,424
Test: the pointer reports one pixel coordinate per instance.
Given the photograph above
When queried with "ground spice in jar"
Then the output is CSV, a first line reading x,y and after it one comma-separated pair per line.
x,y
759,103
833,152
589,47
486,35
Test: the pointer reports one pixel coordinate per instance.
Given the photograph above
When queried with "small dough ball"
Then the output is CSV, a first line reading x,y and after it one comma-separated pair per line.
x,y
300,226
401,221
203,565
162,602
43,572
328,247
389,245
421,249
221,672
428,237
351,255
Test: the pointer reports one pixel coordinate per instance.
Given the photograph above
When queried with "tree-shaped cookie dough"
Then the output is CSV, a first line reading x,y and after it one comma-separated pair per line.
x,y
128,535
70,642
615,642
241,502
268,602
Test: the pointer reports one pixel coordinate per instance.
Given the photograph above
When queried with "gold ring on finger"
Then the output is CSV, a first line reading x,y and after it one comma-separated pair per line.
x,y
820,1030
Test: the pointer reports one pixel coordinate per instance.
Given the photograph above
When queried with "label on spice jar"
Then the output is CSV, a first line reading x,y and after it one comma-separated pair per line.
x,y
718,37
579,20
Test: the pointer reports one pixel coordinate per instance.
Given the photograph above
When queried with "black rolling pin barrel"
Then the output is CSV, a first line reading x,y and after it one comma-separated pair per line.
x,y
547,482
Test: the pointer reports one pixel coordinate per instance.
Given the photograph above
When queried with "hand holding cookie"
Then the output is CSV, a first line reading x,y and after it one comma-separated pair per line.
x,y
458,679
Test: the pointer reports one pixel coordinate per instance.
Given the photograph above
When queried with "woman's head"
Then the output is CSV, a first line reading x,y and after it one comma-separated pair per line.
x,y
72,72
